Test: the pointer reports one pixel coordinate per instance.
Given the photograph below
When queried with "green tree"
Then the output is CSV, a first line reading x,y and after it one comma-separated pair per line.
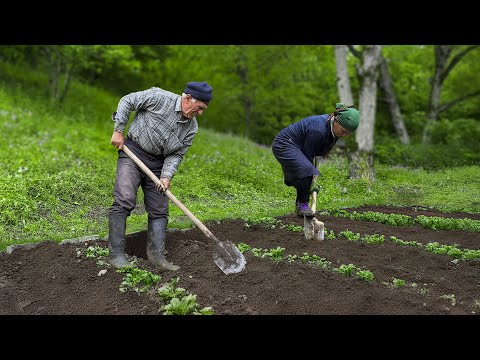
x,y
85,62
447,57
259,89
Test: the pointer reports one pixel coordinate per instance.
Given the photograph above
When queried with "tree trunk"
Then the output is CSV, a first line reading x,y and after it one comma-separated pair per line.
x,y
367,108
368,71
368,95
242,72
66,85
442,52
343,80
55,65
348,144
54,80
395,113
442,70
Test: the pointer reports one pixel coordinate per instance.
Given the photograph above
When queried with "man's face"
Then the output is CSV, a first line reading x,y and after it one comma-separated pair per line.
x,y
339,130
192,107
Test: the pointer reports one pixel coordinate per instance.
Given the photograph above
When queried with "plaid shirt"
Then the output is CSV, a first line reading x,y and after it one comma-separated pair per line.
x,y
158,126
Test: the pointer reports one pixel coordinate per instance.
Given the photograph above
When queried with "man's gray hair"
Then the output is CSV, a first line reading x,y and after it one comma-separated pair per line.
x,y
193,99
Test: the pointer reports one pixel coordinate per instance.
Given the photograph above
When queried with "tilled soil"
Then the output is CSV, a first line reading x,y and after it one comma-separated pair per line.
x,y
51,279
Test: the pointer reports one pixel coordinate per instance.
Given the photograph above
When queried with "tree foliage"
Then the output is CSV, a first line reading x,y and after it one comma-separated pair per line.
x,y
258,89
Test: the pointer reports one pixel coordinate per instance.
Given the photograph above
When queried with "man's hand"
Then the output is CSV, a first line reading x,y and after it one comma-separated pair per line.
x,y
165,184
117,140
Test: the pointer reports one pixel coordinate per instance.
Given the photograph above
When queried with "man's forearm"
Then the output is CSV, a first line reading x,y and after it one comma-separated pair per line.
x,y
170,165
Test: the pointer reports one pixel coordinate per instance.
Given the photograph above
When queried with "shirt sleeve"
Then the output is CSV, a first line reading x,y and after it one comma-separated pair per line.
x,y
172,160
311,146
134,101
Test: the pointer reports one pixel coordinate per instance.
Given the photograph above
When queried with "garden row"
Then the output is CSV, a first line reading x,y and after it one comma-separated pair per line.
x,y
176,300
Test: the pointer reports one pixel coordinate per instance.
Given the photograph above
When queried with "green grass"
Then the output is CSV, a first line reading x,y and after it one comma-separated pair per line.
x,y
450,190
57,171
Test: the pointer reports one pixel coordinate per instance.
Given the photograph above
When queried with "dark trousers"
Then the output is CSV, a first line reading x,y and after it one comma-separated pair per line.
x,y
303,188
130,177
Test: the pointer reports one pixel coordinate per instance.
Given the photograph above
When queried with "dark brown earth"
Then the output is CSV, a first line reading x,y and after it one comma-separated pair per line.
x,y
50,279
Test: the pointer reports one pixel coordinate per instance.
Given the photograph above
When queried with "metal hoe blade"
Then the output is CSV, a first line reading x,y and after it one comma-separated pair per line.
x,y
313,228
308,227
228,258
319,229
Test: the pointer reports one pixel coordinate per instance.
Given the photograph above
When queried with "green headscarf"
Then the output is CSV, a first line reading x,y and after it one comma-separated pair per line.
x,y
348,117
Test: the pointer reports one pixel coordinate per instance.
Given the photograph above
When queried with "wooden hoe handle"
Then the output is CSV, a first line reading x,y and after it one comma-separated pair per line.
x,y
172,197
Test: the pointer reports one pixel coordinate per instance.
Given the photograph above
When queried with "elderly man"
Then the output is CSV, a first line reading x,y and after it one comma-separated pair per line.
x,y
160,134
296,146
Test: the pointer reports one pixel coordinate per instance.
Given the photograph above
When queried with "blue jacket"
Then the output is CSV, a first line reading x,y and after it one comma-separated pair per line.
x,y
296,146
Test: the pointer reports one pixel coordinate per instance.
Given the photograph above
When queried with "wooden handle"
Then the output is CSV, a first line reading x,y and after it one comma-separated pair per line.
x,y
314,201
316,163
172,197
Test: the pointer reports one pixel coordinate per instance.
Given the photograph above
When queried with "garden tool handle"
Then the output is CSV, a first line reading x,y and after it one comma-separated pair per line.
x,y
316,163
167,192
314,199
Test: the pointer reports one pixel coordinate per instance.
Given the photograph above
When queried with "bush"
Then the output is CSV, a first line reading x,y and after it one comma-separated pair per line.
x,y
453,143
463,133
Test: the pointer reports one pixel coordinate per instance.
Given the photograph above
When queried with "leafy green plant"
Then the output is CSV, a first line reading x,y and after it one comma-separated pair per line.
x,y
477,303
423,290
315,260
450,250
187,305
184,306
320,262
403,242
330,235
257,251
292,258
137,279
450,297
262,221
434,247
471,254
180,301
346,269
398,282
96,251
243,247
101,253
365,275
350,235
208,310
295,228
390,219
169,290
305,258
275,254
441,223
429,222
374,239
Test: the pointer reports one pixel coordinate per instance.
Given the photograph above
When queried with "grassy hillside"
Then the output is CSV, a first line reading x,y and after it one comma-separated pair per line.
x,y
57,170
